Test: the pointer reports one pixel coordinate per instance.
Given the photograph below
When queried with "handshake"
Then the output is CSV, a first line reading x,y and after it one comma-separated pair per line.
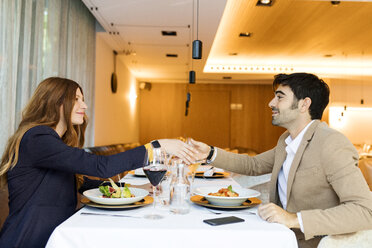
x,y
189,150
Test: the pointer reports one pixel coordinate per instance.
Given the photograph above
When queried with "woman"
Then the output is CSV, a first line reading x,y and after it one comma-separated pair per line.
x,y
43,155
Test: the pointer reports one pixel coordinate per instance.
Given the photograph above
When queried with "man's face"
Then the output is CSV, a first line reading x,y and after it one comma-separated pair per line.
x,y
284,107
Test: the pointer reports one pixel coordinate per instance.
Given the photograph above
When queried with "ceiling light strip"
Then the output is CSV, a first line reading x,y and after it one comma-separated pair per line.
x,y
264,69
160,45
149,26
247,68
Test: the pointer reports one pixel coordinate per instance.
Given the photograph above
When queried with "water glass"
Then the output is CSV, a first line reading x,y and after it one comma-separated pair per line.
x,y
164,190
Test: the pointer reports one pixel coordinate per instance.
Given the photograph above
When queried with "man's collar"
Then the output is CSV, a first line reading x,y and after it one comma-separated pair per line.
x,y
295,143
307,136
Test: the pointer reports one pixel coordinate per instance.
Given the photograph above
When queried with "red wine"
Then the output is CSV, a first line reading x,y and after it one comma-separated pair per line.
x,y
154,175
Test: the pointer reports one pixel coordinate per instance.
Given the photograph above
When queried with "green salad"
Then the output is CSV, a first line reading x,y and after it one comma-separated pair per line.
x,y
115,191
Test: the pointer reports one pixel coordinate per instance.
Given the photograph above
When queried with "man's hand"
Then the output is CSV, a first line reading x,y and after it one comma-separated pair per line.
x,y
203,149
275,214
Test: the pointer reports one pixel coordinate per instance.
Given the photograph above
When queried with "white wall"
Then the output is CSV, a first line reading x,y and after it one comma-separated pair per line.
x,y
116,118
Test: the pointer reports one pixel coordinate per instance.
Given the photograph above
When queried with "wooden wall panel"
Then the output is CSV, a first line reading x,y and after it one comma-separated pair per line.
x,y
161,111
162,115
209,117
252,125
350,92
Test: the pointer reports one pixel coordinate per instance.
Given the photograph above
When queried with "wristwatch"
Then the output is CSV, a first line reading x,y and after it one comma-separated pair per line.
x,y
210,155
155,144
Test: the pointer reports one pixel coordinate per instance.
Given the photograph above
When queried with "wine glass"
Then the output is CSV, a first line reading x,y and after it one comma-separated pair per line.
x,y
155,170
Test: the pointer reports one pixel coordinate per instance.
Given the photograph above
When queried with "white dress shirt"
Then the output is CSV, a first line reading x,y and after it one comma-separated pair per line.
x,y
291,149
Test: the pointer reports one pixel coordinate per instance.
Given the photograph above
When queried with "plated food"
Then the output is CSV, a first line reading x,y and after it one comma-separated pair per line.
x,y
114,191
243,195
200,200
136,194
225,192
145,201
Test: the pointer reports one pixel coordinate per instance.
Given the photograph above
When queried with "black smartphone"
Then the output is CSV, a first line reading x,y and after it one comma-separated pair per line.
x,y
223,220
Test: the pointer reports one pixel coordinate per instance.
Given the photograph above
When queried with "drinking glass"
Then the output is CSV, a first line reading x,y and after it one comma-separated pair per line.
x,y
163,187
155,171
193,167
366,148
180,190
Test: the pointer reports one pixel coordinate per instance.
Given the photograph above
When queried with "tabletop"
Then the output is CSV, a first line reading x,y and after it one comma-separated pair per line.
x,y
128,228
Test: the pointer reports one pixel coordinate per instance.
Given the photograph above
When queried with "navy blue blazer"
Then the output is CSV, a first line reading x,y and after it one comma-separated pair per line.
x,y
42,187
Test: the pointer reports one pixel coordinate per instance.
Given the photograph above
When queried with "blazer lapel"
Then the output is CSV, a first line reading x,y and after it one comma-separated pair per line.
x,y
280,155
296,161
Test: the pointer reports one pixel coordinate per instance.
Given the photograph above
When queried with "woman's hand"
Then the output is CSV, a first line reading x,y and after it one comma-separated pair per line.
x,y
179,149
202,149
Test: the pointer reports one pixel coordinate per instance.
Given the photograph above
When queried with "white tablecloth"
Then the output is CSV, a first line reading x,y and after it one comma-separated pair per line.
x,y
172,231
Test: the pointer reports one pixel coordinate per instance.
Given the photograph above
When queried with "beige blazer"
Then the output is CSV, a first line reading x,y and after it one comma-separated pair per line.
x,y
324,182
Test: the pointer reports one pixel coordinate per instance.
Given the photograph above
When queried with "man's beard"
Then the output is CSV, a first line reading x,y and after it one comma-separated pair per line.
x,y
277,122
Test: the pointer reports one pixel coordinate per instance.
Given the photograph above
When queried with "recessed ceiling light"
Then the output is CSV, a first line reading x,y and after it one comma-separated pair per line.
x,y
245,34
169,33
264,2
233,54
171,55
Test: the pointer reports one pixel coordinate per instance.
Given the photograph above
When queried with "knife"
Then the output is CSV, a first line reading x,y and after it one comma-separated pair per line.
x,y
112,215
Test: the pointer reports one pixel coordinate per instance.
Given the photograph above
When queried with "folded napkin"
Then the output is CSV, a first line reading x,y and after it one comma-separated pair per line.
x,y
93,184
211,171
139,172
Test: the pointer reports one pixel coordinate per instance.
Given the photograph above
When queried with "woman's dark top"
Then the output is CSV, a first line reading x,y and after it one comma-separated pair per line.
x,y
42,187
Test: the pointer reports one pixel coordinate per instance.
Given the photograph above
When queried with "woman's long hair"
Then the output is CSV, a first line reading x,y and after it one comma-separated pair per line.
x,y
44,109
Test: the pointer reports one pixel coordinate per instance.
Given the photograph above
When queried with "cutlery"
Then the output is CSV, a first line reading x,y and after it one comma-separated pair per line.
x,y
112,215
229,212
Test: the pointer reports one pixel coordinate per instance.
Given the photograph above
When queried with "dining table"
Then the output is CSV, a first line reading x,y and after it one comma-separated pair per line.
x,y
97,227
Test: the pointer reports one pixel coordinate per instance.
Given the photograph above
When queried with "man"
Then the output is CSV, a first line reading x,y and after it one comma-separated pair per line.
x,y
316,187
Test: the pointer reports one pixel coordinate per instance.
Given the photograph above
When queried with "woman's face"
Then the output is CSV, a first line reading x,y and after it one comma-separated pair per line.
x,y
78,111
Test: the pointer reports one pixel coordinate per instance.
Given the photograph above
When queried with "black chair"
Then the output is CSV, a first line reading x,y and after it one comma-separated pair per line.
x,y
4,208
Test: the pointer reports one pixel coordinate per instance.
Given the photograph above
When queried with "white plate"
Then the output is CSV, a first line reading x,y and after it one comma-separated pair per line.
x,y
139,172
96,196
244,194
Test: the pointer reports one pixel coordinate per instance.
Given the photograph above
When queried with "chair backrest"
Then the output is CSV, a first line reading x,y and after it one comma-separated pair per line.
x,y
4,209
365,165
361,239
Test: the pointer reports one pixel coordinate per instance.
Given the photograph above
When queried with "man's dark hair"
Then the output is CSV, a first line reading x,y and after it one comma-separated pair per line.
x,y
306,85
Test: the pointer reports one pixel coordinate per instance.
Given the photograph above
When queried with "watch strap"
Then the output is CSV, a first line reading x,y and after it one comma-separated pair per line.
x,y
155,144
210,155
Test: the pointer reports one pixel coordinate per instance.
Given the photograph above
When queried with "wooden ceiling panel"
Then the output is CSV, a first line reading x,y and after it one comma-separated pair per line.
x,y
292,34
295,28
